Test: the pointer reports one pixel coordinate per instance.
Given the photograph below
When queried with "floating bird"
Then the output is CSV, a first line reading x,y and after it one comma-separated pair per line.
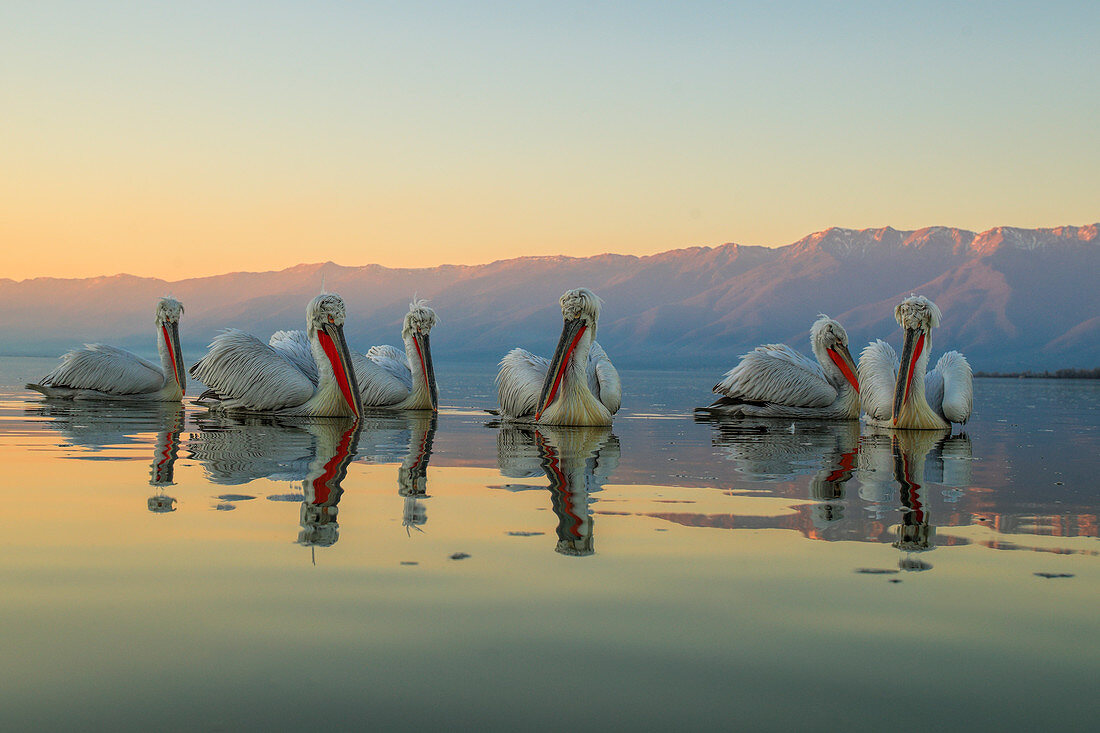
x,y
579,386
387,377
246,375
774,380
99,372
899,394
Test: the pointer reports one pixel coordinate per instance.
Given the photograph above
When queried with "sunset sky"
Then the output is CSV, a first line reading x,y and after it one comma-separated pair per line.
x,y
175,140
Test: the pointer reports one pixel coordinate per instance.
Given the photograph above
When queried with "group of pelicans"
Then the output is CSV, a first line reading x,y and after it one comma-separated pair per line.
x,y
313,373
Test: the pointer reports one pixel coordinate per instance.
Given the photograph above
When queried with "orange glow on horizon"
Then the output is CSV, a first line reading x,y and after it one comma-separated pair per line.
x,y
168,144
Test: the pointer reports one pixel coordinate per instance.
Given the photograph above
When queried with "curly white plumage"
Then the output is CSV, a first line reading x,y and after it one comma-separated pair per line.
x,y
250,375
774,380
900,393
105,369
106,372
294,345
246,375
878,373
603,379
579,385
519,382
394,361
777,369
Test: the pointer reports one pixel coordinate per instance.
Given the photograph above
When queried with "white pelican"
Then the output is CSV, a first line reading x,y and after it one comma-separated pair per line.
x,y
246,375
99,372
900,394
774,380
579,386
387,378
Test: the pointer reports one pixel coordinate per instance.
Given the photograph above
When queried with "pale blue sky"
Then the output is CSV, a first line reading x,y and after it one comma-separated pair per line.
x,y
197,137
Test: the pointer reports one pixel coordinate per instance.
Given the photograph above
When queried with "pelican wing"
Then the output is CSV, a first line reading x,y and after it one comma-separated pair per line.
x,y
294,345
240,367
878,374
519,382
105,369
377,383
603,379
779,374
950,387
394,361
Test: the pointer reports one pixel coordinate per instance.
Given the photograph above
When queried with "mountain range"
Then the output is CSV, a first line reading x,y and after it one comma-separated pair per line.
x,y
1011,299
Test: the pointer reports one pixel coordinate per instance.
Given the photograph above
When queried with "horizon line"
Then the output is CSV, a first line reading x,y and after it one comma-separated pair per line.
x,y
556,256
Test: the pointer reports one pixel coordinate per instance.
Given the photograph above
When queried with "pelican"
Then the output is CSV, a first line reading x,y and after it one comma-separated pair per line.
x,y
246,375
900,394
388,378
99,372
579,386
774,380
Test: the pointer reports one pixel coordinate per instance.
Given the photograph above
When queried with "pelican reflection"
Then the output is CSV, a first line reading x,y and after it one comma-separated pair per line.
x,y
321,489
316,455
405,436
577,461
162,472
412,477
905,464
94,428
770,450
312,454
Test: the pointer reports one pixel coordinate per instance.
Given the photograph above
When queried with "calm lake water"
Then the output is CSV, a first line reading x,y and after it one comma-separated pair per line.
x,y
166,568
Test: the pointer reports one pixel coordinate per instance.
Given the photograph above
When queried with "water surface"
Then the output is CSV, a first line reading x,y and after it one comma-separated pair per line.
x,y
165,567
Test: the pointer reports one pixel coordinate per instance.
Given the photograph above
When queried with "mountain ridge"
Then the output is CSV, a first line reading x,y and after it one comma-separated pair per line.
x,y
1012,298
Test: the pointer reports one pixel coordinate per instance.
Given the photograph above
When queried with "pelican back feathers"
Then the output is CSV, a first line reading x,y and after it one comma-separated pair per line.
x,y
247,374
878,373
105,369
519,383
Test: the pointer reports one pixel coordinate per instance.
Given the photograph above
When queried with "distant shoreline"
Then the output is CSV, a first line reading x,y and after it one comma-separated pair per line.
x,y
1057,374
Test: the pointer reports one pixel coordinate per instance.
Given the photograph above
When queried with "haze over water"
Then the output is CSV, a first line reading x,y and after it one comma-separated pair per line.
x,y
164,567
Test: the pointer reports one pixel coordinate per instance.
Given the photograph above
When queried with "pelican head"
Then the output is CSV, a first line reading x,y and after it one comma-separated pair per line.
x,y
829,339
418,325
580,310
168,311
325,309
325,320
917,315
582,305
167,318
